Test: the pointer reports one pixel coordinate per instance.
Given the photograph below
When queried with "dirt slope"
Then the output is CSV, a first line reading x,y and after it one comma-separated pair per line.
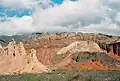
x,y
89,61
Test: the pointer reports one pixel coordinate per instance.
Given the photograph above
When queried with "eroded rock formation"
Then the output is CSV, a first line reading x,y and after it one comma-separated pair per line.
x,y
48,45
15,60
80,46
35,53
113,47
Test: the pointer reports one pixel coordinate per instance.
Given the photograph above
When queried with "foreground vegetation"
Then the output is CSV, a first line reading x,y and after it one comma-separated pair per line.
x,y
62,75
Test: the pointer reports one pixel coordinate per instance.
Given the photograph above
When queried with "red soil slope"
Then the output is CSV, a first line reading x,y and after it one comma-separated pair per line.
x,y
95,65
89,65
115,56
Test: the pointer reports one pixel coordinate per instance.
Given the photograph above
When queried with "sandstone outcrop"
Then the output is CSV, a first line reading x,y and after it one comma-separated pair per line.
x,y
37,54
80,46
1,50
33,65
15,60
48,45
113,47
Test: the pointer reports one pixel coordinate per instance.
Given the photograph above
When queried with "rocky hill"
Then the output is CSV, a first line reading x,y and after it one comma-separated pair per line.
x,y
48,45
67,50
4,40
13,59
85,55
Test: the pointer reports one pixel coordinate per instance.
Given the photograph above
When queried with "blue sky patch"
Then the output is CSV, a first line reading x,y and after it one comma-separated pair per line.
x,y
10,13
58,1
19,13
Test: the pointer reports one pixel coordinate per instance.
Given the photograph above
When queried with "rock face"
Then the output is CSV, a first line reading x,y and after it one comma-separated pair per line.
x,y
37,54
48,45
1,50
76,47
85,55
113,47
15,60
81,46
34,66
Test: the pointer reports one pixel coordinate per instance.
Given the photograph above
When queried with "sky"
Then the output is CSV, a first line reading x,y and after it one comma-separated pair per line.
x,y
58,1
88,16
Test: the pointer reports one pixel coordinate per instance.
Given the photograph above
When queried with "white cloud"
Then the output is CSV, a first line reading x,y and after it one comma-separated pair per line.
x,y
16,25
83,15
22,4
117,18
111,29
16,3
71,12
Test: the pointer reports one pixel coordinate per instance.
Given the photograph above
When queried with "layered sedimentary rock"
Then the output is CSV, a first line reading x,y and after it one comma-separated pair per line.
x,y
33,65
15,60
22,57
48,45
113,47
85,55
80,46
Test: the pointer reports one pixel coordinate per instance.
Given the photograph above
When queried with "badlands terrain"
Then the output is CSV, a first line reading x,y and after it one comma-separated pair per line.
x,y
69,56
